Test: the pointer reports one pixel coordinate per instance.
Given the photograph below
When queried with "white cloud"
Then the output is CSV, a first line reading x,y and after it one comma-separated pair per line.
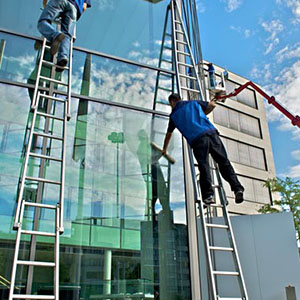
x,y
261,72
296,154
294,172
294,5
285,89
288,53
136,44
200,6
104,4
247,33
232,5
273,28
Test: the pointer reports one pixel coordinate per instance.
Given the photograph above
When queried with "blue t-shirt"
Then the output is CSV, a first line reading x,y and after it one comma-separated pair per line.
x,y
189,118
79,5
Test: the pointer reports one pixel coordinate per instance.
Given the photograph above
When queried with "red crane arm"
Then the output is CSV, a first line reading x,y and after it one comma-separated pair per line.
x,y
271,100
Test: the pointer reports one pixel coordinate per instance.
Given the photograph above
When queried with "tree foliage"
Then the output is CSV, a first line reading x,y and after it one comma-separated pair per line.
x,y
289,190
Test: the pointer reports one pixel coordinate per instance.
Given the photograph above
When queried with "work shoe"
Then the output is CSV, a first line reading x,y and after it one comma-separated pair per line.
x,y
61,63
209,200
56,42
239,197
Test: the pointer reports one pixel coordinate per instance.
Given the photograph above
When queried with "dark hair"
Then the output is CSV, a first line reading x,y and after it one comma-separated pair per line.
x,y
174,97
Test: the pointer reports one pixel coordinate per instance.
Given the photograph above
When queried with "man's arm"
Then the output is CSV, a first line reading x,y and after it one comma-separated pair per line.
x,y
45,2
210,107
166,142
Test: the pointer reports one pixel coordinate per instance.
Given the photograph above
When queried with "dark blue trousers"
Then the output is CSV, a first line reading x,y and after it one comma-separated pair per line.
x,y
212,144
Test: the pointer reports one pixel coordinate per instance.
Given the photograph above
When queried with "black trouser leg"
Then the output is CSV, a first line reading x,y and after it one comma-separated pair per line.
x,y
219,154
201,151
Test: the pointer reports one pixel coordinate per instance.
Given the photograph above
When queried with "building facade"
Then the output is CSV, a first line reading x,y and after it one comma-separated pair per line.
x,y
126,227
243,127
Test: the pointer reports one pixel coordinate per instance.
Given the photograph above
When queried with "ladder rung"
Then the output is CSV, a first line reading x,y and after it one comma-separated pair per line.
x,y
42,180
165,103
46,62
226,273
33,297
49,116
53,80
181,42
217,226
168,48
45,156
52,98
179,31
42,233
36,263
190,90
187,76
184,53
41,205
165,89
48,135
167,61
166,75
221,248
222,298
177,22
168,34
216,205
184,64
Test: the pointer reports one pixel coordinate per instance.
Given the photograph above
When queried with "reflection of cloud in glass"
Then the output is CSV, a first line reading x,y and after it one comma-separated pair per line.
x,y
104,4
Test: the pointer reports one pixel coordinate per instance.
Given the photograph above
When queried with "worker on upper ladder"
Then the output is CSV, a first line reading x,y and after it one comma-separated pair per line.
x,y
189,117
69,11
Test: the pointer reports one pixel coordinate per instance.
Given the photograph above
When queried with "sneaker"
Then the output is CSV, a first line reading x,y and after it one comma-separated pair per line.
x,y
239,197
56,42
209,200
61,63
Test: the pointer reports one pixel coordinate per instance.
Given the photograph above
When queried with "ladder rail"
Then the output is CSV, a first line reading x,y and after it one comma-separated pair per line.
x,y
24,172
190,51
160,57
36,87
232,241
182,49
37,205
16,254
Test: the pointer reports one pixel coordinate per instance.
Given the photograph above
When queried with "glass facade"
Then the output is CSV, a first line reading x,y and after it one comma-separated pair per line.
x,y
125,212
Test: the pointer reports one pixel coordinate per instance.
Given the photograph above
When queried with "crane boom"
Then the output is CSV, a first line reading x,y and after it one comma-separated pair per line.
x,y
271,100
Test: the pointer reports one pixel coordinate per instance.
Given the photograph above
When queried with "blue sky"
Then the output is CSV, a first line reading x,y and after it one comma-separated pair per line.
x,y
260,40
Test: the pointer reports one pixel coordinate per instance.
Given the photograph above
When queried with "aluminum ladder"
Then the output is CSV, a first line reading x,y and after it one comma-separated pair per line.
x,y
46,135
189,87
216,217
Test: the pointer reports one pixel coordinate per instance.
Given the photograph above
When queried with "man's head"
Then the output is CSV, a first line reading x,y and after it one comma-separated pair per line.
x,y
173,99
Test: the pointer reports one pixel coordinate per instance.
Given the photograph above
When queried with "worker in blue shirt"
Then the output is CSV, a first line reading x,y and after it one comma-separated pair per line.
x,y
69,11
189,117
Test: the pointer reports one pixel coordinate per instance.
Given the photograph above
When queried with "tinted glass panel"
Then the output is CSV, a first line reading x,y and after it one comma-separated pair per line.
x,y
92,75
129,29
124,216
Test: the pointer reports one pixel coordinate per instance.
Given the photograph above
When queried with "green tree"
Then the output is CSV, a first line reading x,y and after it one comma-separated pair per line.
x,y
289,190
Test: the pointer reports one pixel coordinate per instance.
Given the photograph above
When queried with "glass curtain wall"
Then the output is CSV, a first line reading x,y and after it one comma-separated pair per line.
x,y
125,217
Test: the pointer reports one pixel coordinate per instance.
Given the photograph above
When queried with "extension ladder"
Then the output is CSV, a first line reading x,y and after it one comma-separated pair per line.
x,y
50,115
189,87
